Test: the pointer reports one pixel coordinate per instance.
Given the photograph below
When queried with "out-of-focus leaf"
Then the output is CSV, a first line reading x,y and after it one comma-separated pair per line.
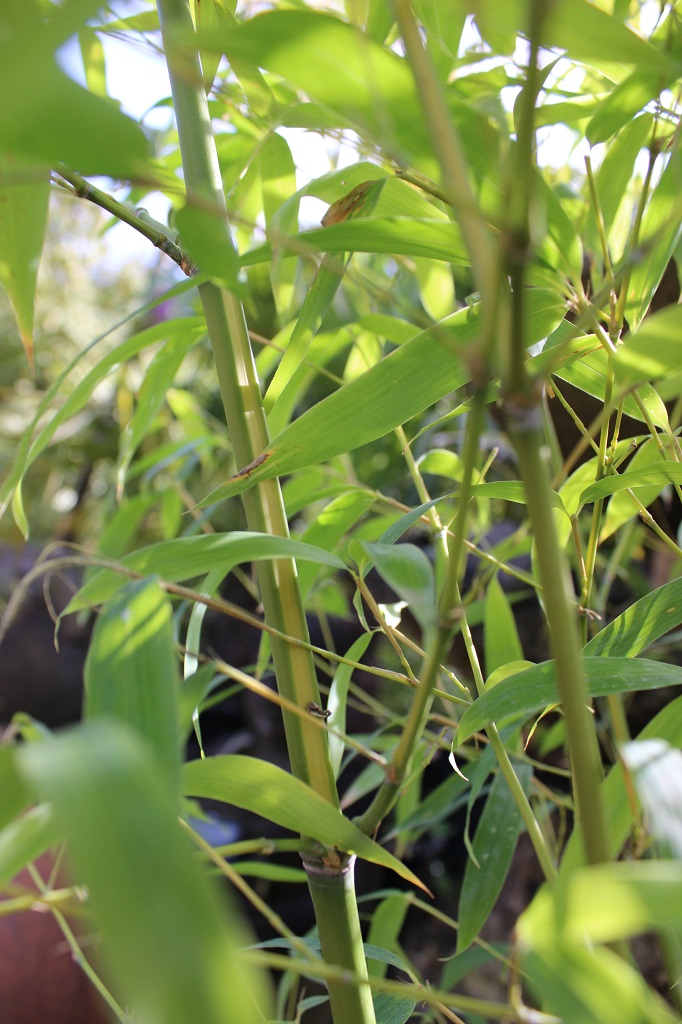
x,y
616,796
408,571
582,28
188,557
265,789
581,984
656,768
25,839
158,378
494,844
205,235
50,119
607,902
621,105
39,435
409,380
131,671
24,195
640,624
529,691
168,937
336,65
14,795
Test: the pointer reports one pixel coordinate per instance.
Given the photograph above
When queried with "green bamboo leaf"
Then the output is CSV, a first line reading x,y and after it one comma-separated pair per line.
x,y
436,239
622,507
607,902
385,927
624,102
205,235
338,696
662,473
319,298
25,839
131,671
653,351
409,380
496,836
392,1009
52,120
337,65
158,379
501,636
523,694
658,237
577,983
330,526
277,172
589,374
586,31
24,195
640,624
408,571
168,936
267,790
188,557
617,169
14,795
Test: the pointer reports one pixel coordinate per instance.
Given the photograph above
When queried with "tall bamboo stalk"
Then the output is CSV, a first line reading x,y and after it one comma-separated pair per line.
x,y
307,745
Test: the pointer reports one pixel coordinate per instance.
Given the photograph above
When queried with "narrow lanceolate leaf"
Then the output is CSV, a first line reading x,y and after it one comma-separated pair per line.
x,y
662,473
24,194
168,936
640,624
323,289
408,236
494,844
409,380
188,557
408,571
523,694
131,672
652,352
267,790
581,27
25,839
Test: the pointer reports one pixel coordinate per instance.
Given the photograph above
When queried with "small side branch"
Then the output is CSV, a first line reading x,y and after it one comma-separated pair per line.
x,y
134,218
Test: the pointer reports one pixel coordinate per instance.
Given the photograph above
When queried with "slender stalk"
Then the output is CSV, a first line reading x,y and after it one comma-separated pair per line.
x,y
522,406
243,403
151,230
294,669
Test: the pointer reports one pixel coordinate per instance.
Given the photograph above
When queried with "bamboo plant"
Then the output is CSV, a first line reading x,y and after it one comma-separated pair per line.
x,y
447,251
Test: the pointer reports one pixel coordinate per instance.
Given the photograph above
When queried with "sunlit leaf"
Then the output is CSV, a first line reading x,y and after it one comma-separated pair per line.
x,y
530,691
189,557
267,790
24,194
